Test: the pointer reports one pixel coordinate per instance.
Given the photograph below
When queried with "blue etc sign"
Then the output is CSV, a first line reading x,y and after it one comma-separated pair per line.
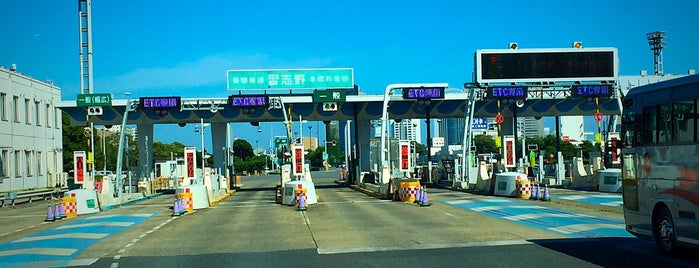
x,y
479,123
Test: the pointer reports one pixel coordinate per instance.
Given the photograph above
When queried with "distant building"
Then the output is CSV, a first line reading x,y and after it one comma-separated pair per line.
x,y
31,141
407,129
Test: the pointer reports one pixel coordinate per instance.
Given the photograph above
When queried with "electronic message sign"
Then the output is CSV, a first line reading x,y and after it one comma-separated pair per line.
x,y
423,93
593,91
249,101
514,92
159,102
548,65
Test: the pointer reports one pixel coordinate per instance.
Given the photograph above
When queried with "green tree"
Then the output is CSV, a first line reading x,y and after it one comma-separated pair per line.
x,y
485,144
242,149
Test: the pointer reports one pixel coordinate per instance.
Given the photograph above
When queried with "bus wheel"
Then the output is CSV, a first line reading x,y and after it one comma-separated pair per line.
x,y
664,231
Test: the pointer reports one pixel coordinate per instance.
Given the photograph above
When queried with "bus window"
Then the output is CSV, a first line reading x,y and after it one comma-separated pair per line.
x,y
650,118
665,131
684,121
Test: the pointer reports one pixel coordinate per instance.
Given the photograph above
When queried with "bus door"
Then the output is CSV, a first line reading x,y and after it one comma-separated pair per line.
x,y
629,179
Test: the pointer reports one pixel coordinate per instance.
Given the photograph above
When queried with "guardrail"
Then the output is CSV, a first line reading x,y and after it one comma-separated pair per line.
x,y
12,197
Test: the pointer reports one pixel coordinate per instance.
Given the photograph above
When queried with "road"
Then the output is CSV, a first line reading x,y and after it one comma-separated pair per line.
x,y
346,228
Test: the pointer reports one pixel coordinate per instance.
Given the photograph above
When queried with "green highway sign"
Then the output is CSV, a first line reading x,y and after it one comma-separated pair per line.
x,y
98,99
280,142
330,95
291,79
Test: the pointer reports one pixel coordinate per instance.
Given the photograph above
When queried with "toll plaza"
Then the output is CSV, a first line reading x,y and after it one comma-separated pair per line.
x,y
509,83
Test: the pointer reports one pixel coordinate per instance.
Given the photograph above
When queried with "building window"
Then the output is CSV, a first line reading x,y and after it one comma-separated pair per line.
x,y
4,164
28,161
57,118
48,115
18,164
37,118
27,111
15,102
38,163
3,106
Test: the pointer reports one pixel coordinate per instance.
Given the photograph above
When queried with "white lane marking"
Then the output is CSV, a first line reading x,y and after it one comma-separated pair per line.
x,y
59,236
114,265
576,228
326,251
449,214
40,251
106,223
530,216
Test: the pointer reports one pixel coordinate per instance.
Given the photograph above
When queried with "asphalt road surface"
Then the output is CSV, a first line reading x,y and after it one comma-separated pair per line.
x,y
345,229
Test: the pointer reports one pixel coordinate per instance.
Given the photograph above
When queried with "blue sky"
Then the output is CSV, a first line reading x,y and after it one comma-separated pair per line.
x,y
153,48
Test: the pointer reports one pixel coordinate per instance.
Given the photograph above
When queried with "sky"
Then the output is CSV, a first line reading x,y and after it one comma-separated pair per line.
x,y
159,48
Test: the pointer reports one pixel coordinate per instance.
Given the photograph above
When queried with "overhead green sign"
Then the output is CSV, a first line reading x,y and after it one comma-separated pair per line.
x,y
330,95
280,142
291,79
98,99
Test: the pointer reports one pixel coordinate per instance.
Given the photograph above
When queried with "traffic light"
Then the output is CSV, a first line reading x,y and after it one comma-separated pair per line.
x,y
330,107
248,110
334,143
96,110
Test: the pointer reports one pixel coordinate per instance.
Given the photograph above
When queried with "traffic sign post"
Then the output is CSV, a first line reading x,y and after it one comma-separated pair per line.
x,y
598,117
499,119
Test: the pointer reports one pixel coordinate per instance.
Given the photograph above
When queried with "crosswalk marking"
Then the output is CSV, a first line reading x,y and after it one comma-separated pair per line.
x,y
39,251
61,236
528,213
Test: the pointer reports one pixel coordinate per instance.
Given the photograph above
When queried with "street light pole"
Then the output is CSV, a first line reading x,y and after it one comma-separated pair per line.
x,y
203,172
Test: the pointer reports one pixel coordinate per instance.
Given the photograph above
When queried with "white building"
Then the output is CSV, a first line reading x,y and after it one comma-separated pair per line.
x,y
31,140
407,129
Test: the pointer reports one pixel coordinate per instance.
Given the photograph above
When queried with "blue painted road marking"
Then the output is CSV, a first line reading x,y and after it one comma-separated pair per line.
x,y
58,246
613,200
574,225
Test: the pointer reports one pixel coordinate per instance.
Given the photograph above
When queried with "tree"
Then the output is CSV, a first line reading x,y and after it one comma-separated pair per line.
x,y
242,149
485,144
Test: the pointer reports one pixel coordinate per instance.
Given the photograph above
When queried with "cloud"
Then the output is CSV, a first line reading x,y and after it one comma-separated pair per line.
x,y
208,72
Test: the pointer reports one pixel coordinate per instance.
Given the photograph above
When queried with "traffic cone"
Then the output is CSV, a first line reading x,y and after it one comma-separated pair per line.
x,y
535,192
62,210
546,196
49,214
56,211
176,210
425,202
302,202
418,195
182,206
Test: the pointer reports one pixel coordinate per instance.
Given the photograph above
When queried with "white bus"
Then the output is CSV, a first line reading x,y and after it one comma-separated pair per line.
x,y
660,163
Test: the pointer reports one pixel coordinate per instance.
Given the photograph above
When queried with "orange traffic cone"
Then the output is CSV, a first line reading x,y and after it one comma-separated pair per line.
x,y
49,214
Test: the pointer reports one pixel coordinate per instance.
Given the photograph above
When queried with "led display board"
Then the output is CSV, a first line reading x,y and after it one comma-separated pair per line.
x,y
549,65
248,101
513,92
423,93
585,91
159,102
